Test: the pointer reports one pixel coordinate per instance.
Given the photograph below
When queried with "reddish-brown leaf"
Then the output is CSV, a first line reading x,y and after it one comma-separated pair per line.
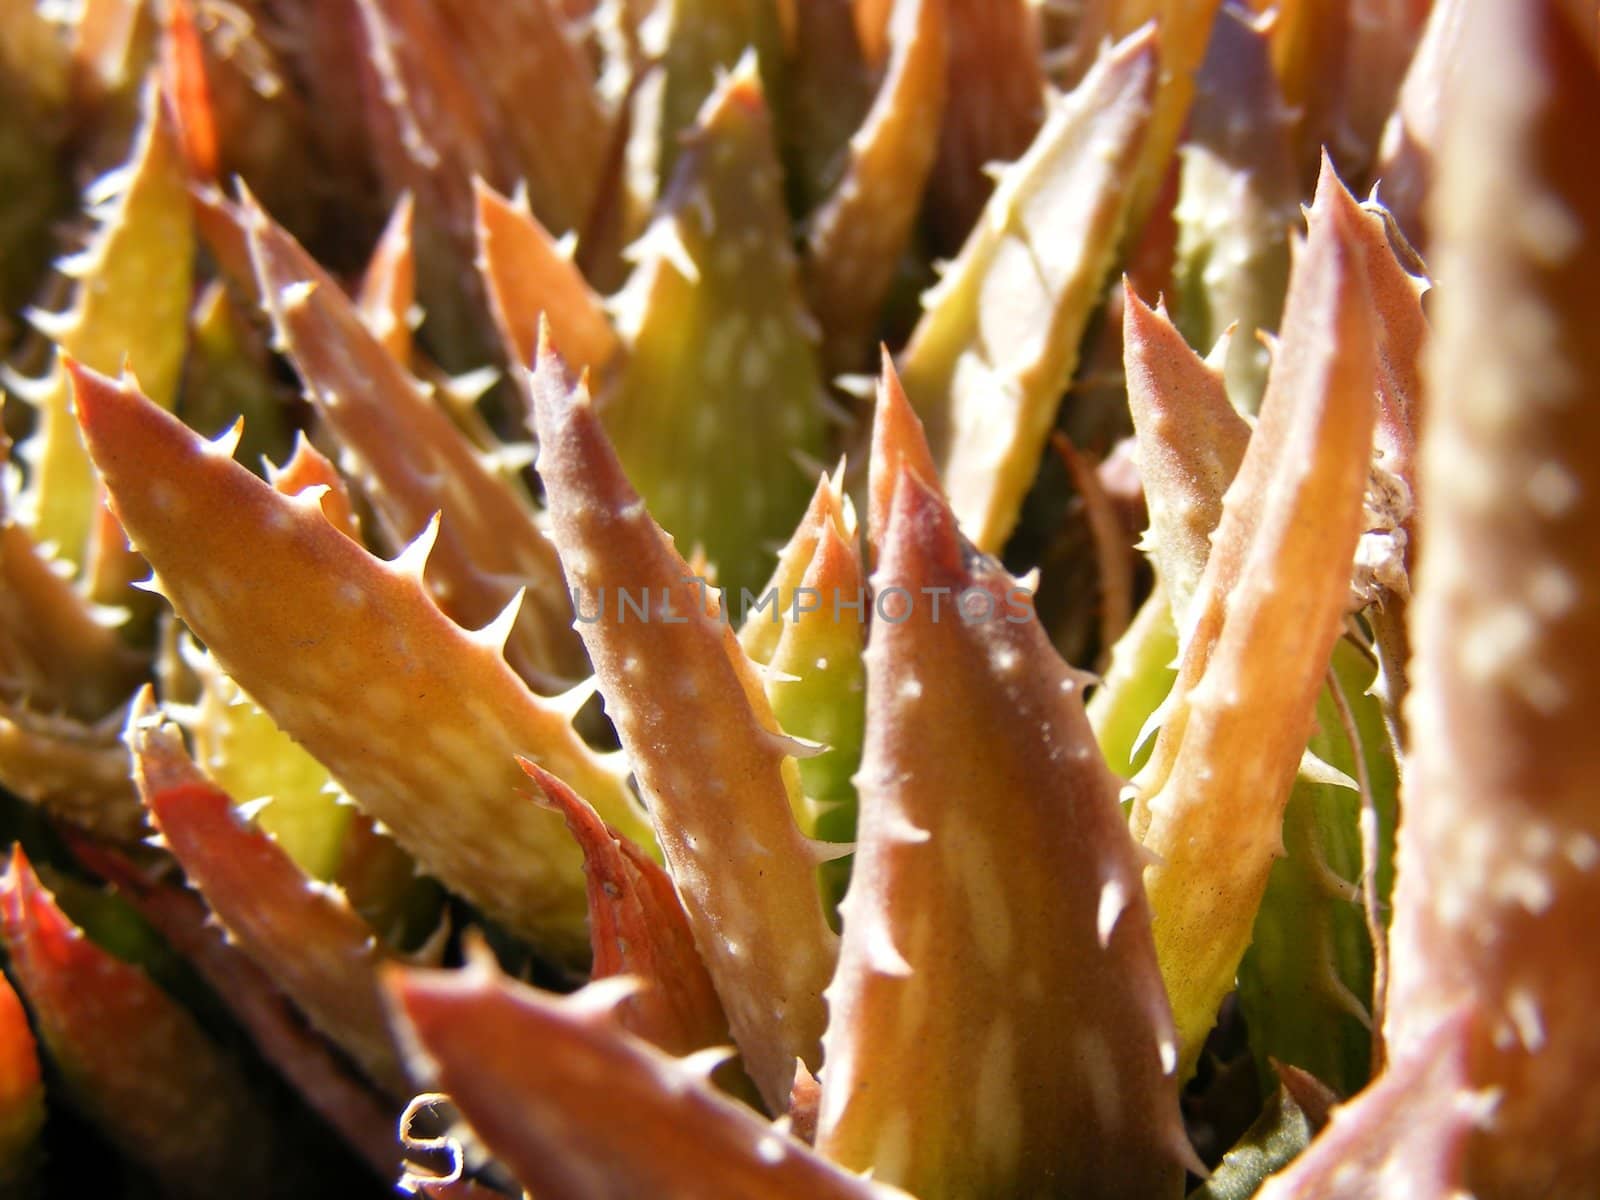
x,y
997,1024
132,1060
581,1110
709,757
638,928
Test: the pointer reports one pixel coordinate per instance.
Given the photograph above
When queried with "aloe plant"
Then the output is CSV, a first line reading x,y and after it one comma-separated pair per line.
x,y
522,667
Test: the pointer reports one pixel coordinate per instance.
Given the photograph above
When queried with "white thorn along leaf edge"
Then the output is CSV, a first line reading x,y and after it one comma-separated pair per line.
x,y
495,634
412,561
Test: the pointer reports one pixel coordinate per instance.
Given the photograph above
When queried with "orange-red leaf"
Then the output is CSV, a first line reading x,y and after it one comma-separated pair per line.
x,y
639,929
134,1061
417,718
705,748
305,936
580,1110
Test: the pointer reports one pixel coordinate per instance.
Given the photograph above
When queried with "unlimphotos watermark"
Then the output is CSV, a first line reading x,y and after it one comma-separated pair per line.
x,y
974,605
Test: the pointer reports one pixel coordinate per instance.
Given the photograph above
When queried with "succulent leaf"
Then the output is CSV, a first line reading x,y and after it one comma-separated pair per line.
x,y
694,42
1496,878
132,1060
307,469
71,769
1264,621
540,87
35,74
530,276
1380,46
251,759
1390,1138
58,650
130,306
722,380
1139,678
993,59
998,341
823,91
243,750
305,936
301,617
1189,444
318,1072
432,130
976,1027
709,756
1238,199
899,444
810,645
1411,137
1306,983
21,1095
229,374
639,929
1183,29
578,1107
855,240
415,463
1388,549
387,298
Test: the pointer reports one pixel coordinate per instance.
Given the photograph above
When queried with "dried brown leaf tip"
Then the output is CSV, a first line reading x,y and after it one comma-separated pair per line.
x,y
1264,618
714,768
985,1002
301,616
133,1060
576,1106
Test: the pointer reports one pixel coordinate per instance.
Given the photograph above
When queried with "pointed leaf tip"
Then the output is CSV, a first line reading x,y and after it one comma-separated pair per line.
x,y
638,929
898,443
700,734
954,997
